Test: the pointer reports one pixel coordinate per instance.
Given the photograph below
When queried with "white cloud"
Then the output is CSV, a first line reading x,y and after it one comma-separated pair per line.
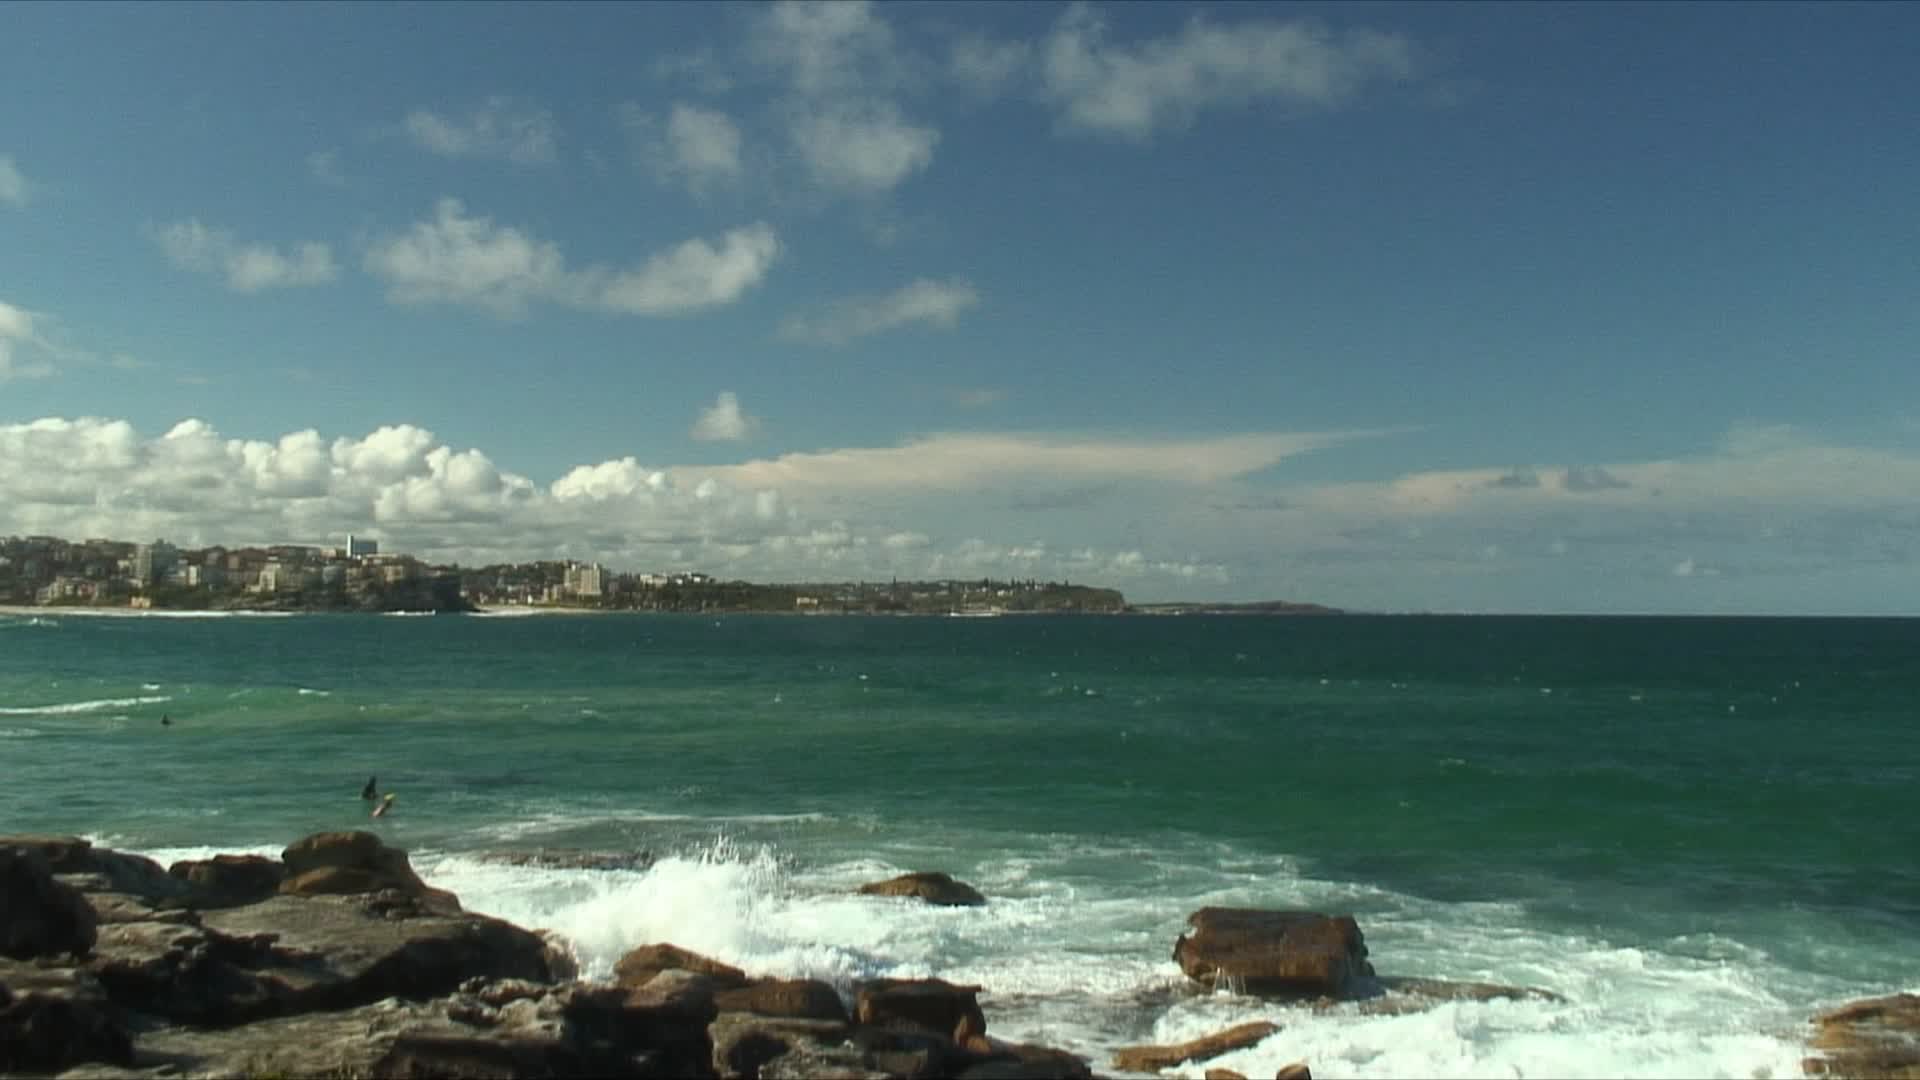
x,y
1776,511
499,128
824,48
864,146
986,67
16,324
247,268
17,337
458,259
1134,90
470,261
705,146
689,277
937,303
724,421
324,167
975,461
14,188
699,149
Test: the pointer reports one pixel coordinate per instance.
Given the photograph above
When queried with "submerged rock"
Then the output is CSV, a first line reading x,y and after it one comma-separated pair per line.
x,y
933,887
1292,954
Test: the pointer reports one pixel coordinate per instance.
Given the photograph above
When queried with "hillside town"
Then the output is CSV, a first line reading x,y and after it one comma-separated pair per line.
x,y
357,576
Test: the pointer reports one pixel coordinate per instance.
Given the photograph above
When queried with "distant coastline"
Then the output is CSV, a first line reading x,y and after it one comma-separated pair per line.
x,y
44,574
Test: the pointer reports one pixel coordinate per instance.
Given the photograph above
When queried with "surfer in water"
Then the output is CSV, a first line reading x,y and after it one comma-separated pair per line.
x,y
165,720
369,793
386,804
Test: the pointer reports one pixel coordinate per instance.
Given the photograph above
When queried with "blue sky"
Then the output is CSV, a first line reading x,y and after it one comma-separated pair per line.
x,y
1396,307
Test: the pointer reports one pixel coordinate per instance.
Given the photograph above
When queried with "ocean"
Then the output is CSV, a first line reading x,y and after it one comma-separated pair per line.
x,y
1698,831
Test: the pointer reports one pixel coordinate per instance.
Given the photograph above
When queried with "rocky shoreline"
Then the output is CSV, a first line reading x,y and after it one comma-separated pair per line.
x,y
337,960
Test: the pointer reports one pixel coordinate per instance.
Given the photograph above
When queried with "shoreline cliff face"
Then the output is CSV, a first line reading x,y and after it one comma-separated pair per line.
x,y
337,959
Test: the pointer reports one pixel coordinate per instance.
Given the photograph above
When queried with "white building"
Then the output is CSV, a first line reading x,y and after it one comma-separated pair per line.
x,y
152,561
586,579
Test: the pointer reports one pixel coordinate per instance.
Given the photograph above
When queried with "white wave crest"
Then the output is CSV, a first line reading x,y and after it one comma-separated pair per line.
x,y
101,705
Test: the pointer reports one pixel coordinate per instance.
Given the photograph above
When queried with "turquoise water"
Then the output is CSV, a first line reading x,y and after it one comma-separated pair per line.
x,y
1698,830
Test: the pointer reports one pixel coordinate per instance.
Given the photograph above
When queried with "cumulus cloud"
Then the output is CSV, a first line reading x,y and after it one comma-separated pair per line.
x,y
499,128
1776,508
692,276
936,303
247,268
14,188
470,261
824,48
724,422
1132,91
699,148
17,339
863,146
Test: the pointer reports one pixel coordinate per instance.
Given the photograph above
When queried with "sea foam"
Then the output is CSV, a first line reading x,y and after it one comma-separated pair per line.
x,y
100,705
1087,968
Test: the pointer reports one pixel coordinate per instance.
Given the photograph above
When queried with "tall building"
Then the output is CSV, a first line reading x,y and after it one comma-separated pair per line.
x,y
152,561
358,546
586,580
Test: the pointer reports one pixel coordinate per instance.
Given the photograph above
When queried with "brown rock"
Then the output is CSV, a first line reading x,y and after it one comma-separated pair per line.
x,y
335,863
1294,954
638,967
63,854
933,887
743,1042
1296,1071
811,1062
931,1005
563,962
230,880
1023,1059
1224,1074
1870,1039
53,1018
670,1017
96,870
806,999
40,916
1155,1058
291,954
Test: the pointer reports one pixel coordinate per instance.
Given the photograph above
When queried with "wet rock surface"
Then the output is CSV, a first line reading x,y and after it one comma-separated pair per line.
x,y
338,960
1870,1039
933,887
